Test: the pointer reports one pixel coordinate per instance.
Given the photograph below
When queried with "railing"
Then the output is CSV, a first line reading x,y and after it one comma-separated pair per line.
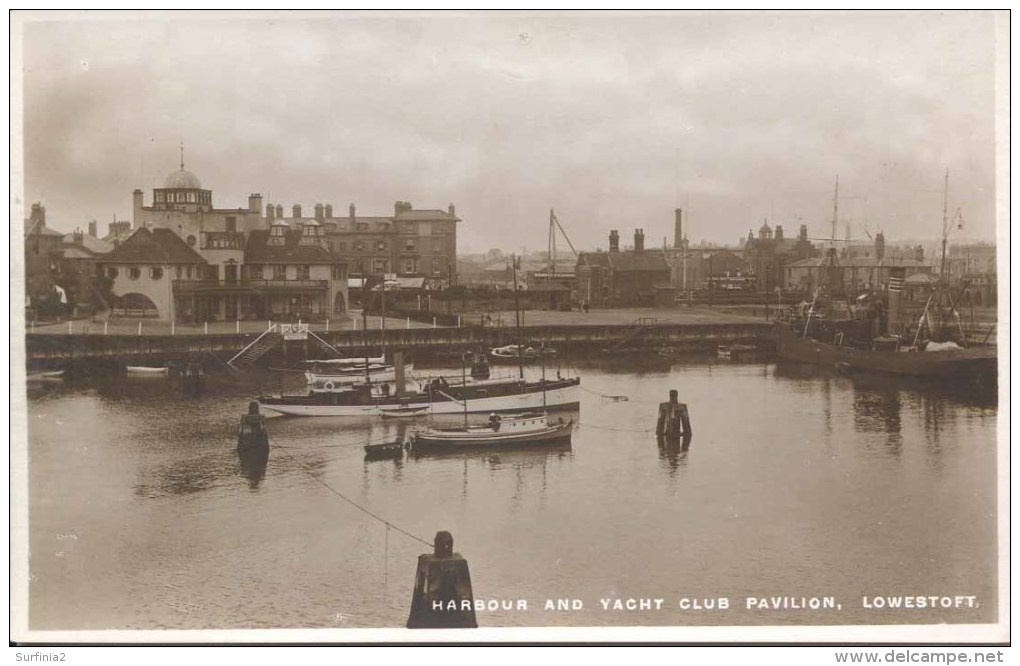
x,y
205,285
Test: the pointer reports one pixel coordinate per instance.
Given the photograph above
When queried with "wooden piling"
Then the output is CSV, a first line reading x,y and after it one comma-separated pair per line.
x,y
442,597
674,419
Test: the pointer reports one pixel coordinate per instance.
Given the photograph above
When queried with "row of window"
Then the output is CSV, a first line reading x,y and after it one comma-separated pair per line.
x,y
163,196
410,245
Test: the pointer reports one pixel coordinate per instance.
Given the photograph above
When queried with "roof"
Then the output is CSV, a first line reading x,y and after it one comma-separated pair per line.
x,y
921,278
39,228
182,180
153,246
76,252
258,250
649,260
90,243
432,214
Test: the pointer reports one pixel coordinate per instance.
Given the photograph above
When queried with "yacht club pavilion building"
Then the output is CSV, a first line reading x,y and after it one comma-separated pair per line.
x,y
255,263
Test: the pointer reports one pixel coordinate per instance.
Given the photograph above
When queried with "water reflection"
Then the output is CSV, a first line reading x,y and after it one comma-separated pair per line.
x,y
253,463
673,452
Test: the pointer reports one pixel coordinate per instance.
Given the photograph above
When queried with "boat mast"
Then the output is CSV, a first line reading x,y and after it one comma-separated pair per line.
x,y
463,383
365,293
517,312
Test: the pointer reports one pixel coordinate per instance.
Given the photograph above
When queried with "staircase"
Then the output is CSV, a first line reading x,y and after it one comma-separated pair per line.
x,y
257,348
322,344
635,330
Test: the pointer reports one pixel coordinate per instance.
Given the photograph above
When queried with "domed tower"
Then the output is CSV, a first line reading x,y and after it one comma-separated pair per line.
x,y
182,191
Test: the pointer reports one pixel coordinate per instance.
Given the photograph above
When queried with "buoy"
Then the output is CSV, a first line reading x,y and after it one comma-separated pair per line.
x,y
442,597
329,386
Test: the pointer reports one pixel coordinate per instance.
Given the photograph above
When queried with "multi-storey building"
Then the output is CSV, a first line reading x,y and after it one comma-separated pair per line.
x,y
256,261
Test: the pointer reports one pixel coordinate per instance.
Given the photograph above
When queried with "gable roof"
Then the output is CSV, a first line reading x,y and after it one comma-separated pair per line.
x,y
39,228
161,246
648,260
259,251
90,243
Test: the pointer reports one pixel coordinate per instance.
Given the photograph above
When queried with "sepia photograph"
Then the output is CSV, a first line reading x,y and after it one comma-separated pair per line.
x,y
459,327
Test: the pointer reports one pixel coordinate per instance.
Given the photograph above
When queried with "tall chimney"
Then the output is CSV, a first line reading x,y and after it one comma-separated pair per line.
x,y
318,212
93,231
879,246
678,236
297,211
614,241
350,211
279,211
779,233
270,212
803,232
639,240
255,203
453,211
329,211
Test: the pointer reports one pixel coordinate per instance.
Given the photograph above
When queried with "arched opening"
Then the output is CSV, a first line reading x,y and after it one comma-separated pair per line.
x,y
135,305
339,303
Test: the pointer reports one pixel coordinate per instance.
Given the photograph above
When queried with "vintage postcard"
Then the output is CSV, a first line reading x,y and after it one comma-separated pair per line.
x,y
463,327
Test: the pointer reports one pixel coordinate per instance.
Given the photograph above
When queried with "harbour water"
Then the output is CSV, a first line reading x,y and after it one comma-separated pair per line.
x,y
799,488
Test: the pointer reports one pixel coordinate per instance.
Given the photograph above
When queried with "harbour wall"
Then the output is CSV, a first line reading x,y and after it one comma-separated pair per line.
x,y
50,349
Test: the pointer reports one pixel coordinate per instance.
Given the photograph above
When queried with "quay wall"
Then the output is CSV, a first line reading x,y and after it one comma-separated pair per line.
x,y
42,347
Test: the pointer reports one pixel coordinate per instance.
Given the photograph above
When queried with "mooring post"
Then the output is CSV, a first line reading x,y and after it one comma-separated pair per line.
x,y
69,324
173,328
207,328
105,324
674,419
433,322
139,328
442,597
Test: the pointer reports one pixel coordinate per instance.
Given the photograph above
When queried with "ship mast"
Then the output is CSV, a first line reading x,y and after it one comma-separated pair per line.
x,y
517,312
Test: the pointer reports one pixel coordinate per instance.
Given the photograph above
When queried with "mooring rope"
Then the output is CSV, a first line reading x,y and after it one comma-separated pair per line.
x,y
336,492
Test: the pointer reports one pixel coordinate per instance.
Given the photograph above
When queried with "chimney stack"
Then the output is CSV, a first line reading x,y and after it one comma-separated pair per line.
x,y
678,236
779,233
803,232
297,211
614,241
350,211
279,211
255,203
639,240
270,212
879,246
318,212
93,231
329,211
453,211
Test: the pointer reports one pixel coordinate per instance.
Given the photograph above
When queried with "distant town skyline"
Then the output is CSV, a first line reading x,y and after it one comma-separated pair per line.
x,y
612,119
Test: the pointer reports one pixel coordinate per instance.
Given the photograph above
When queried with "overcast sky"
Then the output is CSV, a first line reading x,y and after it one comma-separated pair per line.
x,y
613,120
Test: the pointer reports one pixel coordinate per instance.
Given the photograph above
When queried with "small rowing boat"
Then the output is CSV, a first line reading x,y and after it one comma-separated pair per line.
x,y
146,371
403,412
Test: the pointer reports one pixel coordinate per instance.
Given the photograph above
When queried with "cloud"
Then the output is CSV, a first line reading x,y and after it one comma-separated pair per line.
x,y
613,119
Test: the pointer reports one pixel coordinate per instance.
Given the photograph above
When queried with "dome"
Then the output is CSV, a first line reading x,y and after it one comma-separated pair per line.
x,y
182,180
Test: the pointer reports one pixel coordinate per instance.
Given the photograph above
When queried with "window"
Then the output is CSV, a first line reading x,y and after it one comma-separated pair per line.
x,y
437,245
361,226
134,272
191,241
231,224
435,265
408,244
359,245
279,272
156,272
112,272
304,272
379,265
160,197
409,266
189,272
342,246
191,197
438,228
255,271
180,272
338,272
381,245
